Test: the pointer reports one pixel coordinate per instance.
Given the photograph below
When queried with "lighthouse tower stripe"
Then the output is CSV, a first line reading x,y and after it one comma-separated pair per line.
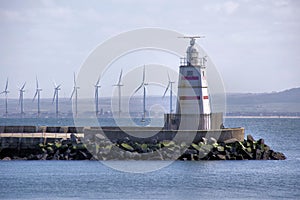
x,y
189,97
190,78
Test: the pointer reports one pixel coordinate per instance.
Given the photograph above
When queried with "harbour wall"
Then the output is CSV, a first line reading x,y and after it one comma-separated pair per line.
x,y
28,137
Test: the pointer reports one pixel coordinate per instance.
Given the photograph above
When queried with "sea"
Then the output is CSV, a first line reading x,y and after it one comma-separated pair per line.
x,y
248,179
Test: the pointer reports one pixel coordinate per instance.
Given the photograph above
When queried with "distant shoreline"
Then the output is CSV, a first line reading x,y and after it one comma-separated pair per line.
x,y
261,117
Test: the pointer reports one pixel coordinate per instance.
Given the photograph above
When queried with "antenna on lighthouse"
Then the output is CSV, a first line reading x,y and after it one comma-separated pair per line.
x,y
192,53
194,36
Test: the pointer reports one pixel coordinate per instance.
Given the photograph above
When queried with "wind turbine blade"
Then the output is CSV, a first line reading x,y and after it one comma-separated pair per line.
x,y
58,87
23,86
54,96
98,81
120,78
74,80
144,74
2,92
6,86
20,99
166,90
138,88
72,93
54,84
35,95
37,82
168,76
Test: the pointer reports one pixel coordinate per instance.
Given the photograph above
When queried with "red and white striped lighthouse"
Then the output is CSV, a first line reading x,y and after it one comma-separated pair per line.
x,y
193,101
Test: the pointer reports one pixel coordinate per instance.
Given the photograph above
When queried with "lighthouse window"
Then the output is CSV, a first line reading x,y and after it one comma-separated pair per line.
x,y
189,73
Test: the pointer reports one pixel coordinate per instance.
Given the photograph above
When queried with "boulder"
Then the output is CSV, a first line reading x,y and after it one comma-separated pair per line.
x,y
231,141
277,156
250,138
221,157
6,158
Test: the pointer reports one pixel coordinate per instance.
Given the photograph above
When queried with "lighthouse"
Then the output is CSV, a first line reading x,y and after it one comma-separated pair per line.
x,y
193,110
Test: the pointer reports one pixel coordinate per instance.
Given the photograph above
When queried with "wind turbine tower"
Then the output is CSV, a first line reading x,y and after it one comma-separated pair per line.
x,y
75,91
119,85
170,86
38,95
21,98
55,97
97,86
143,85
5,92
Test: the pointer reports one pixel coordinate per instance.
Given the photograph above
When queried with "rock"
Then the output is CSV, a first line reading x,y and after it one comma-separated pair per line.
x,y
204,140
211,141
221,157
231,141
266,155
220,148
6,158
202,154
195,146
207,148
258,154
250,138
127,147
168,143
261,141
277,156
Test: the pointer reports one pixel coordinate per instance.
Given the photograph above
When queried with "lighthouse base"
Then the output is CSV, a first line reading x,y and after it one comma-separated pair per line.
x,y
193,122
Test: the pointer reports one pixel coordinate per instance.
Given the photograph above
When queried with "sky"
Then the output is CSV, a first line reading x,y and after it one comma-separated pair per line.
x,y
253,44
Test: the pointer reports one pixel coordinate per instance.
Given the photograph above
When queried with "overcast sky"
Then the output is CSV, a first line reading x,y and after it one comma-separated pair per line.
x,y
254,44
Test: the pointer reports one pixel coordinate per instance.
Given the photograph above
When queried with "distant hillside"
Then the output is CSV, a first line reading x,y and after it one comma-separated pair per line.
x,y
284,103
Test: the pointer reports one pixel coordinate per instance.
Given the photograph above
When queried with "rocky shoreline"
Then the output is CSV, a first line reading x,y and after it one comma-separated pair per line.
x,y
125,149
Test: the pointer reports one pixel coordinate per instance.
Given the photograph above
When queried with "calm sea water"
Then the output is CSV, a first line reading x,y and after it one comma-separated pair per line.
x,y
179,180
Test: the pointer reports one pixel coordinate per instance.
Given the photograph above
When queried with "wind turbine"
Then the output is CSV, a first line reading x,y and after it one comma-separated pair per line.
x,y
37,93
75,91
119,85
170,84
143,85
21,98
5,92
55,96
97,86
